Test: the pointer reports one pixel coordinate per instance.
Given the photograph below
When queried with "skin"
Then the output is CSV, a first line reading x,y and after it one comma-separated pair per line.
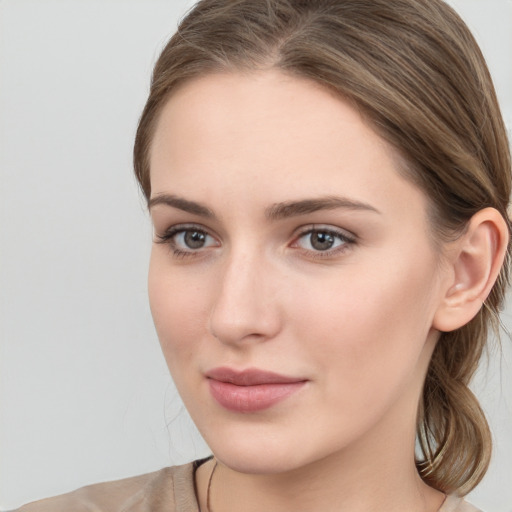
x,y
356,322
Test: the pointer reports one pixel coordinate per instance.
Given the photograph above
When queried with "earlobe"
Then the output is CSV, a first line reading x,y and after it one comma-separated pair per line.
x,y
475,264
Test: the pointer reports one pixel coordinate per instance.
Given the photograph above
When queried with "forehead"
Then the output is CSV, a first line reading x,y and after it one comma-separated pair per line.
x,y
267,135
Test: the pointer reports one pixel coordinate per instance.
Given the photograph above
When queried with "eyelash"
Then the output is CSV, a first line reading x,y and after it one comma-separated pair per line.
x,y
346,239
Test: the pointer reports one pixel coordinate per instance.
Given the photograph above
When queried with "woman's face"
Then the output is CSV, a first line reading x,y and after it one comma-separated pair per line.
x,y
293,280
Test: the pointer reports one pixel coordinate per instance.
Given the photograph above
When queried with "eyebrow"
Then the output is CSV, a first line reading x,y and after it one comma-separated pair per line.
x,y
181,204
294,208
276,211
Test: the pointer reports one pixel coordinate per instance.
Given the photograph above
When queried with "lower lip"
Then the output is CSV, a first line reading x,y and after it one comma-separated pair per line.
x,y
252,398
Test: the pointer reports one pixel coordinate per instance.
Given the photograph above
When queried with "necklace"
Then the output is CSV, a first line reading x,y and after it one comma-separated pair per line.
x,y
208,509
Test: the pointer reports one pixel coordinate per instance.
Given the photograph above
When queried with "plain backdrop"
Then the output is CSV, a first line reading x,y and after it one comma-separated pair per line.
x,y
85,395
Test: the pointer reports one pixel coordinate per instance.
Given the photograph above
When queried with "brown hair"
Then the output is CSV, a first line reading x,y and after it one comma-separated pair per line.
x,y
416,73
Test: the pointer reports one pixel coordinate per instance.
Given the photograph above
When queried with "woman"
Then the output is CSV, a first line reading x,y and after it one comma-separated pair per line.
x,y
328,182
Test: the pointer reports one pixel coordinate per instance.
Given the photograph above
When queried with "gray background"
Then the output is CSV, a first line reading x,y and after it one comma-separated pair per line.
x,y
85,395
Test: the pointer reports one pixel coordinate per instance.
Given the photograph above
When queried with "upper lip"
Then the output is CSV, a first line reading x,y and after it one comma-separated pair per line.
x,y
249,376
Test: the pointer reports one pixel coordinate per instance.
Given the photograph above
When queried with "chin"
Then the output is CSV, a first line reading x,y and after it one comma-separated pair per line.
x,y
253,449
265,449
258,461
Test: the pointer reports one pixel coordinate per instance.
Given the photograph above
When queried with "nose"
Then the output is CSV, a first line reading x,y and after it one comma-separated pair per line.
x,y
245,309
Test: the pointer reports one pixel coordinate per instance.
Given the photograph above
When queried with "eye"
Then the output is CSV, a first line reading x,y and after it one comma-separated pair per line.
x,y
324,240
187,240
193,239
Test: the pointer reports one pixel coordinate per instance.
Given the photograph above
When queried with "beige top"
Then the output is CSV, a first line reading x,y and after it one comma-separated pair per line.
x,y
168,490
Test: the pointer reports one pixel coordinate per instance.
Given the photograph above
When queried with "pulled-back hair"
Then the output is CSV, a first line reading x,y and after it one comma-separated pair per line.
x,y
415,72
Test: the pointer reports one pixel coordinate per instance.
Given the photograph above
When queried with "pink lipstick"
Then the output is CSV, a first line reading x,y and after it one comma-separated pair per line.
x,y
250,390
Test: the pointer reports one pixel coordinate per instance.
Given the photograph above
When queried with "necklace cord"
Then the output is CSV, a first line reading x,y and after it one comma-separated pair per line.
x,y
208,509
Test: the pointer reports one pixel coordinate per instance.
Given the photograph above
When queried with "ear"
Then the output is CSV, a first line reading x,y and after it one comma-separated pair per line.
x,y
475,261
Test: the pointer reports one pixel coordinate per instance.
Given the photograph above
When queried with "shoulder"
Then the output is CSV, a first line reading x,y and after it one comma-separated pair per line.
x,y
170,489
455,504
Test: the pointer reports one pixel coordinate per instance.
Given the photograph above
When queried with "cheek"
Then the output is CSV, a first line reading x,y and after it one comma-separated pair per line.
x,y
177,309
366,327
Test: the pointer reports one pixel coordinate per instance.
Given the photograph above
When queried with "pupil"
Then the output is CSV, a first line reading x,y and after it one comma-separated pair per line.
x,y
322,241
194,239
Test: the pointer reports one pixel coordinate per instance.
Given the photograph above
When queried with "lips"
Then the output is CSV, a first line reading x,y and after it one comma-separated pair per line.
x,y
250,390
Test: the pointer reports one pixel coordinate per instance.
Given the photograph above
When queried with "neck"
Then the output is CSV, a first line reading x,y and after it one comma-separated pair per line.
x,y
379,476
